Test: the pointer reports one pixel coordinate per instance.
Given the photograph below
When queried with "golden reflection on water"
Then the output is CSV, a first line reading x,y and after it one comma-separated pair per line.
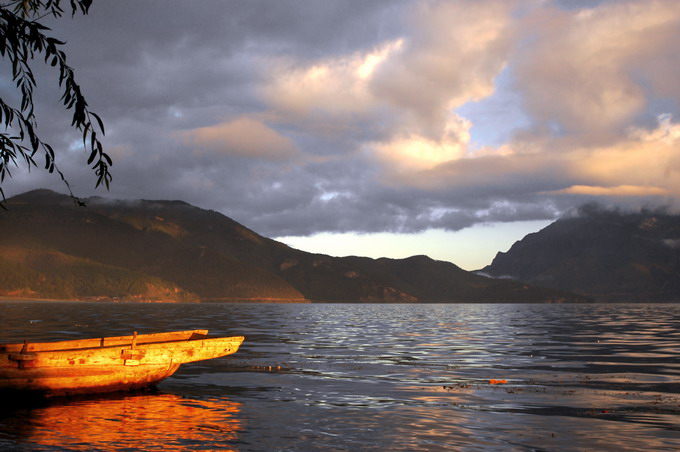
x,y
138,422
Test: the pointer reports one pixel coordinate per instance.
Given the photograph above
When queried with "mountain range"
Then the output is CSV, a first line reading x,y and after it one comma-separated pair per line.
x,y
604,254
171,251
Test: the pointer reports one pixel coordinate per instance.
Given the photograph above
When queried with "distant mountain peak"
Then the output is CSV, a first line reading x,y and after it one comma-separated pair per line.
x,y
607,254
41,194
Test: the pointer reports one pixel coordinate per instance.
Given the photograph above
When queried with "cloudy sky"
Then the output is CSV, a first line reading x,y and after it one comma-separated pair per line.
x,y
376,127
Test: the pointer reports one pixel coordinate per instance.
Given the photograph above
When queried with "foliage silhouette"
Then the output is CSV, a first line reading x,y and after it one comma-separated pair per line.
x,y
22,38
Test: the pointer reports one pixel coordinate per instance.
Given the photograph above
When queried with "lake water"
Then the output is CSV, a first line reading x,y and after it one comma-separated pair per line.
x,y
488,377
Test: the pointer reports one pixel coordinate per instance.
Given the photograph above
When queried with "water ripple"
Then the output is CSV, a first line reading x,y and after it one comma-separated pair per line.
x,y
379,377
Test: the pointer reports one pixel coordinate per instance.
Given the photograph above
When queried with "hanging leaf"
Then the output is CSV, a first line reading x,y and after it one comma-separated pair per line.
x,y
22,38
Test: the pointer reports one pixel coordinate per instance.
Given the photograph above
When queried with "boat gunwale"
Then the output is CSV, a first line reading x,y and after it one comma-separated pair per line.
x,y
101,343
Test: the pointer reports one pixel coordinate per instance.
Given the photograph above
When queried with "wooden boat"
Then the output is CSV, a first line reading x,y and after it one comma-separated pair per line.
x,y
105,364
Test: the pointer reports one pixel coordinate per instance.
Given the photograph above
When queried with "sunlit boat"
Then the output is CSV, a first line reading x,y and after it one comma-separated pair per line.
x,y
105,364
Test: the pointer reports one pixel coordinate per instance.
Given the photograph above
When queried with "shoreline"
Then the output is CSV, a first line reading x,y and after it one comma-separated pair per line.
x,y
203,301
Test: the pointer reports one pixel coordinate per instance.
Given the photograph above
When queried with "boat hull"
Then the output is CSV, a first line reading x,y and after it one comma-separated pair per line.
x,y
84,380
105,364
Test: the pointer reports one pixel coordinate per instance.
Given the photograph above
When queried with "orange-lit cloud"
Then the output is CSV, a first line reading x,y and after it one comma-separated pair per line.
x,y
406,153
335,86
244,137
590,71
619,190
642,163
453,56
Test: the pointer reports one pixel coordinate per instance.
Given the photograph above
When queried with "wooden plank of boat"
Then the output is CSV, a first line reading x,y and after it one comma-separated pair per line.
x,y
106,341
105,364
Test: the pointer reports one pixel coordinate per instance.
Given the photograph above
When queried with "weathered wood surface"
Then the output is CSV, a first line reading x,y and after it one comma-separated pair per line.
x,y
105,364
112,340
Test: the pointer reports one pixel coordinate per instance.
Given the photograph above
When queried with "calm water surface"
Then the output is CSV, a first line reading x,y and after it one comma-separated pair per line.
x,y
373,377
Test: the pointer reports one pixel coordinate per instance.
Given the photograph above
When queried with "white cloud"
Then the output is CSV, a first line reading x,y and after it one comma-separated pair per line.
x,y
410,152
667,132
335,86
590,72
405,87
452,56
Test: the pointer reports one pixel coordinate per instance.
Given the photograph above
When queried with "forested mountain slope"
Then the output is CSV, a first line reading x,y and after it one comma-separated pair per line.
x,y
604,254
171,251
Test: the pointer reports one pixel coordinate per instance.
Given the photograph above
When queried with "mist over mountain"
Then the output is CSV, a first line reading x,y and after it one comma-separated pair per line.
x,y
606,254
171,251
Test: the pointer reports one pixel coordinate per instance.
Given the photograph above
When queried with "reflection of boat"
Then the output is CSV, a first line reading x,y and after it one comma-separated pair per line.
x,y
132,422
105,364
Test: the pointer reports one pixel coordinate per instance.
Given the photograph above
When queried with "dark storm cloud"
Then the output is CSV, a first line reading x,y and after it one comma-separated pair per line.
x,y
297,117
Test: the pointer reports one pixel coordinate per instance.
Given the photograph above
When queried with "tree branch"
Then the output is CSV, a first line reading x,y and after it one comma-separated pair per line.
x,y
21,38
